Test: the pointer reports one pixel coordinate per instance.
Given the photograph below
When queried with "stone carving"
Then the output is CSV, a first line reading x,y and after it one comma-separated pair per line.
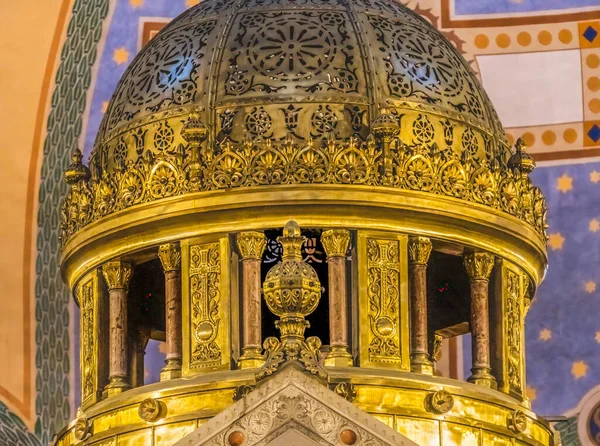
x,y
294,402
205,295
383,288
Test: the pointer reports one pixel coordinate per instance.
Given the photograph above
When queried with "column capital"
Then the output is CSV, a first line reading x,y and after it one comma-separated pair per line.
x,y
479,265
251,244
117,274
419,250
170,256
335,242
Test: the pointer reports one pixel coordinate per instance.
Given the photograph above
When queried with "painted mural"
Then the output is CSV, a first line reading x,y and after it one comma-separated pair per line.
x,y
540,63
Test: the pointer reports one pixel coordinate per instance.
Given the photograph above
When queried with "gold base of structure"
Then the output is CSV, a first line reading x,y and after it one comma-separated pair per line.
x,y
402,400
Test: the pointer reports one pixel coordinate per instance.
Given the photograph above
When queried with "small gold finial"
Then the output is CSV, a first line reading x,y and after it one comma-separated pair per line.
x,y
194,131
76,171
291,241
521,160
385,126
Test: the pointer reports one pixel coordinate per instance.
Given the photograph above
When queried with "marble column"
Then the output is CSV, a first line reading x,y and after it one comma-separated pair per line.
x,y
335,242
419,250
251,246
170,257
117,275
479,266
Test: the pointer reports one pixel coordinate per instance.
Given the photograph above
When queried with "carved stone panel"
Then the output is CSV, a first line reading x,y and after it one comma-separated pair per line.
x,y
508,343
92,298
383,300
206,297
293,408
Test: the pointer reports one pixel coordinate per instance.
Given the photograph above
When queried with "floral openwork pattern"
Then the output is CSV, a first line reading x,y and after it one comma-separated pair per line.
x,y
261,162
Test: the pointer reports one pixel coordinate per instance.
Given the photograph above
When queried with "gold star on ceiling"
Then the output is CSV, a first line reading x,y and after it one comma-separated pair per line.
x,y
594,225
556,241
579,369
104,106
121,55
590,286
190,3
564,183
531,393
595,176
545,334
597,337
136,3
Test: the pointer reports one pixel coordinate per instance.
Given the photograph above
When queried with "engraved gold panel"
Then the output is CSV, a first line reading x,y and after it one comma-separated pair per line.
x,y
206,295
508,339
453,434
383,300
169,434
495,439
93,331
419,430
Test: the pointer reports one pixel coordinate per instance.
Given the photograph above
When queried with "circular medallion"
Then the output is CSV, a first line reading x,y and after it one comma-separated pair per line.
x,y
441,401
203,332
518,421
291,48
149,409
323,421
260,423
81,428
384,326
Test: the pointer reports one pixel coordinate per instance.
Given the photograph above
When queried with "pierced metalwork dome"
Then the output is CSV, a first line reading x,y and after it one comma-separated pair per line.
x,y
306,68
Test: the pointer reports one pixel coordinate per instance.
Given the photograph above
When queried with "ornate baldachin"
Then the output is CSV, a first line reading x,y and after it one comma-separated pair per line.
x,y
495,183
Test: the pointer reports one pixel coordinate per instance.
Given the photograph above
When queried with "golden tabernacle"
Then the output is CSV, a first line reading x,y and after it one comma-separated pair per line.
x,y
317,195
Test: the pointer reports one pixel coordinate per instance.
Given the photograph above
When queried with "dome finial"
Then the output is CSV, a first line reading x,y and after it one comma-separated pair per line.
x,y
521,160
76,171
194,131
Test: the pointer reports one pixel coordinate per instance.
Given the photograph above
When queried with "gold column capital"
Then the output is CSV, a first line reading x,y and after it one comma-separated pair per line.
x,y
419,250
479,265
251,244
117,274
335,242
170,256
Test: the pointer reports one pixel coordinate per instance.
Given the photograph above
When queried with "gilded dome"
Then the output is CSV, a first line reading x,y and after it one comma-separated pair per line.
x,y
248,93
269,68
